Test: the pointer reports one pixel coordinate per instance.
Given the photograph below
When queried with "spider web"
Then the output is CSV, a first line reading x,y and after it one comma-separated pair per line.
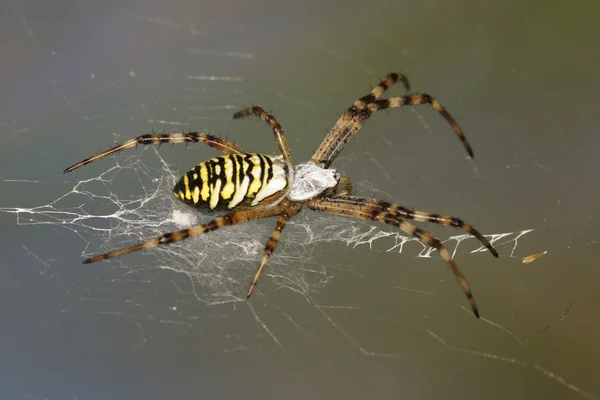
x,y
215,268
218,264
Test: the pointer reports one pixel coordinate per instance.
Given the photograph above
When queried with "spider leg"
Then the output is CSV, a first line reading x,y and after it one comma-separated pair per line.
x,y
382,87
405,213
421,216
284,217
273,123
370,209
414,99
159,138
225,220
355,117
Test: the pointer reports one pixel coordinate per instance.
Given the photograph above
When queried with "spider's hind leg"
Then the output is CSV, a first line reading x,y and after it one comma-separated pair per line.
x,y
284,217
273,123
176,236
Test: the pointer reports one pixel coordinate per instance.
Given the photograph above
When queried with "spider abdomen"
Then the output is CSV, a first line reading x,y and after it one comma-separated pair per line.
x,y
237,182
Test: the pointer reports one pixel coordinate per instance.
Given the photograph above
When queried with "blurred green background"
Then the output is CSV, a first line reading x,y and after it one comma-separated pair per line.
x,y
521,79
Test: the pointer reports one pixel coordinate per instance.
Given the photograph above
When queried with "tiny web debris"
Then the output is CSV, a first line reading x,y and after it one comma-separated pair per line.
x,y
531,258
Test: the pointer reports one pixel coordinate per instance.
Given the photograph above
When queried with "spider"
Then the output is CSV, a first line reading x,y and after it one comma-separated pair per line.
x,y
240,186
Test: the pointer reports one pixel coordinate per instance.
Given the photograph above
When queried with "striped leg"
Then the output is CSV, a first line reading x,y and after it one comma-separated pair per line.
x,y
226,220
273,123
447,220
392,214
414,99
159,138
379,89
397,211
355,117
284,217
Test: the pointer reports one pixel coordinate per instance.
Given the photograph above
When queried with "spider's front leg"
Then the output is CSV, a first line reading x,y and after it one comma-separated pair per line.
x,y
378,90
423,98
393,214
352,120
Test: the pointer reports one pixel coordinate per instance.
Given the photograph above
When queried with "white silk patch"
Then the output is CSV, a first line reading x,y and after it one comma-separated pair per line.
x,y
311,180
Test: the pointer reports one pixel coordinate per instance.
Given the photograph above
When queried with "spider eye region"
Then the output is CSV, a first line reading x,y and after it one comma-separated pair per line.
x,y
235,182
311,180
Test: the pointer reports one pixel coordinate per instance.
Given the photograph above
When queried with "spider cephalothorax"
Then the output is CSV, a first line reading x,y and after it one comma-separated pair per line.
x,y
241,186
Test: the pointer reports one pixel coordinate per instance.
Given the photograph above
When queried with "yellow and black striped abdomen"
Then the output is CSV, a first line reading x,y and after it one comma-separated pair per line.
x,y
236,182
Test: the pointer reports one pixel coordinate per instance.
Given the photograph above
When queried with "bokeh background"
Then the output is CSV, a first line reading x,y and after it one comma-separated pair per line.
x,y
521,79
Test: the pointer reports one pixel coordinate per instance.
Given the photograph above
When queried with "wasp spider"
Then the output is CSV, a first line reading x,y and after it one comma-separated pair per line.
x,y
241,186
